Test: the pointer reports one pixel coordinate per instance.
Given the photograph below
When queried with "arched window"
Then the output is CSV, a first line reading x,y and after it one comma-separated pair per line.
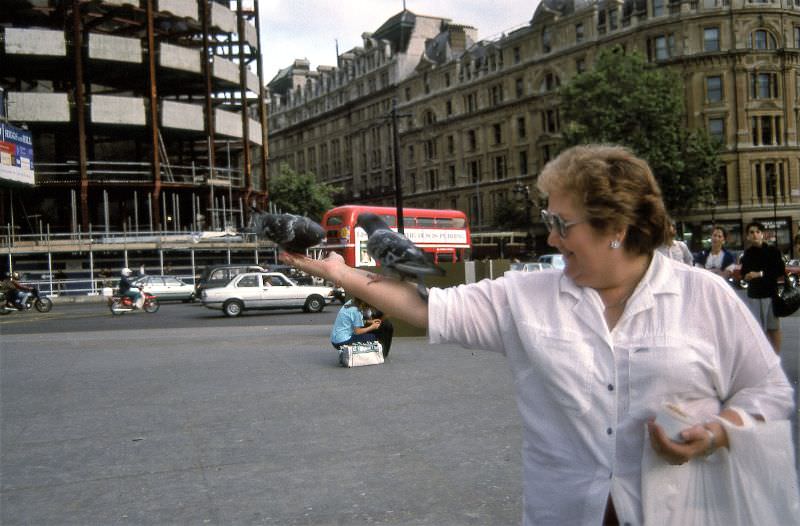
x,y
761,39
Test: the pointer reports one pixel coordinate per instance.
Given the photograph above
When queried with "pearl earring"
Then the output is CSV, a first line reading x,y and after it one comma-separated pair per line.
x,y
615,243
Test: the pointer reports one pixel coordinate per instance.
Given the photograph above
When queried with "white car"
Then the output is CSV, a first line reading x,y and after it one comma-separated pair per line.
x,y
530,267
265,290
166,287
556,260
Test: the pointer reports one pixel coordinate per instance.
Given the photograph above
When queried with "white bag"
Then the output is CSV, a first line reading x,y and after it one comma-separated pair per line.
x,y
362,353
753,483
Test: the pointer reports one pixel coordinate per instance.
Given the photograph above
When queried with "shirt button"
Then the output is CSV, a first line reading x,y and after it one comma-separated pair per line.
x,y
609,431
610,387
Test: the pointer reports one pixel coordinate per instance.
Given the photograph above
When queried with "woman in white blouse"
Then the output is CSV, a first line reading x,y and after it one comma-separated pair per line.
x,y
596,350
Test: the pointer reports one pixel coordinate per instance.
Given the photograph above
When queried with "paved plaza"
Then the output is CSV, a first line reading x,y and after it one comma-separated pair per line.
x,y
255,425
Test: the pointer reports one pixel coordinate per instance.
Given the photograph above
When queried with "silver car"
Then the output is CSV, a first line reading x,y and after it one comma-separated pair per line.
x,y
265,290
166,287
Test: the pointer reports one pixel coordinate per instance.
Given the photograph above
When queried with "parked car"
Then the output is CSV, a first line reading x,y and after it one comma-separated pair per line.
x,y
221,275
166,287
530,267
265,290
792,270
556,260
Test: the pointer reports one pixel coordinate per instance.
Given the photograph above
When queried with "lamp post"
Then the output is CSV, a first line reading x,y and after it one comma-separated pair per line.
x,y
774,177
524,192
398,181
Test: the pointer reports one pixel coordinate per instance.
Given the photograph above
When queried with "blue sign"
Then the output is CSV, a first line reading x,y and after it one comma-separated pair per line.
x,y
16,154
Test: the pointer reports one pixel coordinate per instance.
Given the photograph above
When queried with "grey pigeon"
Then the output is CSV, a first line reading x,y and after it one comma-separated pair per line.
x,y
396,253
291,232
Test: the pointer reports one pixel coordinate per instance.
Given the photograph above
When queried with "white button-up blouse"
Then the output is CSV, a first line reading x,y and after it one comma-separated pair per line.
x,y
584,393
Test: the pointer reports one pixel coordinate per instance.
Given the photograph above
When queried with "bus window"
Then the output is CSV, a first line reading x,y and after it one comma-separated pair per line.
x,y
446,257
409,221
426,221
450,222
334,221
390,220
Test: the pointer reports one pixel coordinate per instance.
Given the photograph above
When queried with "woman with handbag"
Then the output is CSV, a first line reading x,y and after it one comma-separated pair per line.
x,y
598,348
762,265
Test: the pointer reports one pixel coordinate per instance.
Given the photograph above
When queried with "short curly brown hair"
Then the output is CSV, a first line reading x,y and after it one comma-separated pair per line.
x,y
615,189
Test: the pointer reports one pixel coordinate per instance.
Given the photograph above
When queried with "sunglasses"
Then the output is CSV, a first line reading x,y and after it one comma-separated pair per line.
x,y
554,221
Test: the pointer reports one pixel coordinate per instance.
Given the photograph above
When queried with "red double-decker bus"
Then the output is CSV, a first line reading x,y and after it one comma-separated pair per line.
x,y
442,233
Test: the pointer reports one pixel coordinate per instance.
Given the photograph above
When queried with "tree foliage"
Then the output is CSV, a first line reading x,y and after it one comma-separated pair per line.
x,y
511,214
300,193
624,100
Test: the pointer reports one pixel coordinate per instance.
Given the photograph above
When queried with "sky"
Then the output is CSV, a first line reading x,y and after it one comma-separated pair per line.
x,y
309,29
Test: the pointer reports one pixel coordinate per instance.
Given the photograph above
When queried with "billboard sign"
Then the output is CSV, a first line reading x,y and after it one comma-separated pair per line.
x,y
16,154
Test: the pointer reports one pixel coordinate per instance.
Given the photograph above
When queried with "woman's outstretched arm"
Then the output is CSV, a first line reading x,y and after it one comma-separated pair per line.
x,y
398,299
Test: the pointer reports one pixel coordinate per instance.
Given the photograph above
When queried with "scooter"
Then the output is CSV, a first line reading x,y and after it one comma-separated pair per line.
x,y
40,303
121,304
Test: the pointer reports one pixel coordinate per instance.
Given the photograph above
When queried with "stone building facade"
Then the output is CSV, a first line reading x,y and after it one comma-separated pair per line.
x,y
479,119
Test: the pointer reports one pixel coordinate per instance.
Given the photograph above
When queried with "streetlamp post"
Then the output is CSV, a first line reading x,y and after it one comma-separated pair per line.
x,y
398,182
524,191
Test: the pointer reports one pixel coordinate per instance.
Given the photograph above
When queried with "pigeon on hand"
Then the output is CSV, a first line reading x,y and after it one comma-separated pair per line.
x,y
396,252
291,232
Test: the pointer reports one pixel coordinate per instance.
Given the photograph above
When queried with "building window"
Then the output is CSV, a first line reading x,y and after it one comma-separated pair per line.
x,y
579,36
451,174
763,85
472,141
661,47
714,89
447,80
761,39
497,132
517,55
519,86
766,130
549,83
612,20
797,36
580,65
499,166
496,94
711,39
474,168
546,40
523,162
449,107
430,149
471,102
411,154
550,122
521,131
658,7
433,179
716,128
451,144
408,94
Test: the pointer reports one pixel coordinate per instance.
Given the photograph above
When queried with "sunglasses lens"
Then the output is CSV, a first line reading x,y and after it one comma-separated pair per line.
x,y
554,221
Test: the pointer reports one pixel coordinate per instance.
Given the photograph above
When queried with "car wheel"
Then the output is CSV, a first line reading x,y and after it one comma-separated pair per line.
x,y
314,303
232,308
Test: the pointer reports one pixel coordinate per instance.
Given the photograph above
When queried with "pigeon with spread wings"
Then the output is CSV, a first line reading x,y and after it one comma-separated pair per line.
x,y
396,253
291,232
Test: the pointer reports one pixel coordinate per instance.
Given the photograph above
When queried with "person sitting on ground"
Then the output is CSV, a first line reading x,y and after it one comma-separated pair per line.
x,y
127,289
385,331
350,326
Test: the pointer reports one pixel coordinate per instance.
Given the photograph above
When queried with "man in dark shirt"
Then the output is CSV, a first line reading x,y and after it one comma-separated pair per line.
x,y
762,265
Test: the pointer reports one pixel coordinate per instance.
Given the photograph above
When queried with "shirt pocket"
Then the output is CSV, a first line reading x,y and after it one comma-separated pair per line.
x,y
670,369
563,363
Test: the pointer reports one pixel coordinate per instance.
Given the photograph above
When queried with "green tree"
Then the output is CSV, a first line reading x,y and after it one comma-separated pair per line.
x,y
300,193
624,100
510,214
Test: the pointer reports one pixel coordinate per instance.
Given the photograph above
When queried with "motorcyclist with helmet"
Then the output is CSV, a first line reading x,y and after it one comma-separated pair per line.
x,y
16,293
126,288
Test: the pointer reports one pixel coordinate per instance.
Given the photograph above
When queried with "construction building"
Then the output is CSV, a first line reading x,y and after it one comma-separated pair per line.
x,y
145,115
479,119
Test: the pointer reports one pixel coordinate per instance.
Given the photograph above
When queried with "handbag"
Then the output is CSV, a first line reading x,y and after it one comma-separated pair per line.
x,y
361,353
786,299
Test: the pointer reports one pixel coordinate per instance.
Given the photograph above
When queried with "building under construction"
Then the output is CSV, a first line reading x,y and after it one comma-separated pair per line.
x,y
145,115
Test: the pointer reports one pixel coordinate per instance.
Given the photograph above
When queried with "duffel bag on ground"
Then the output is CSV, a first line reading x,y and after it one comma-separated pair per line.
x,y
358,354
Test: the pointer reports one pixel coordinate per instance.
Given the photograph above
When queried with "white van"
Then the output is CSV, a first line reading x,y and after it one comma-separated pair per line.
x,y
557,260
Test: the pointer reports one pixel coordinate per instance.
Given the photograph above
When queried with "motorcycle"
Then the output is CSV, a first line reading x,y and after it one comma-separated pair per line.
x,y
121,304
39,302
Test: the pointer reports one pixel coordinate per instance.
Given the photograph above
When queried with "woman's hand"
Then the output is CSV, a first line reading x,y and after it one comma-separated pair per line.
x,y
698,442
323,268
